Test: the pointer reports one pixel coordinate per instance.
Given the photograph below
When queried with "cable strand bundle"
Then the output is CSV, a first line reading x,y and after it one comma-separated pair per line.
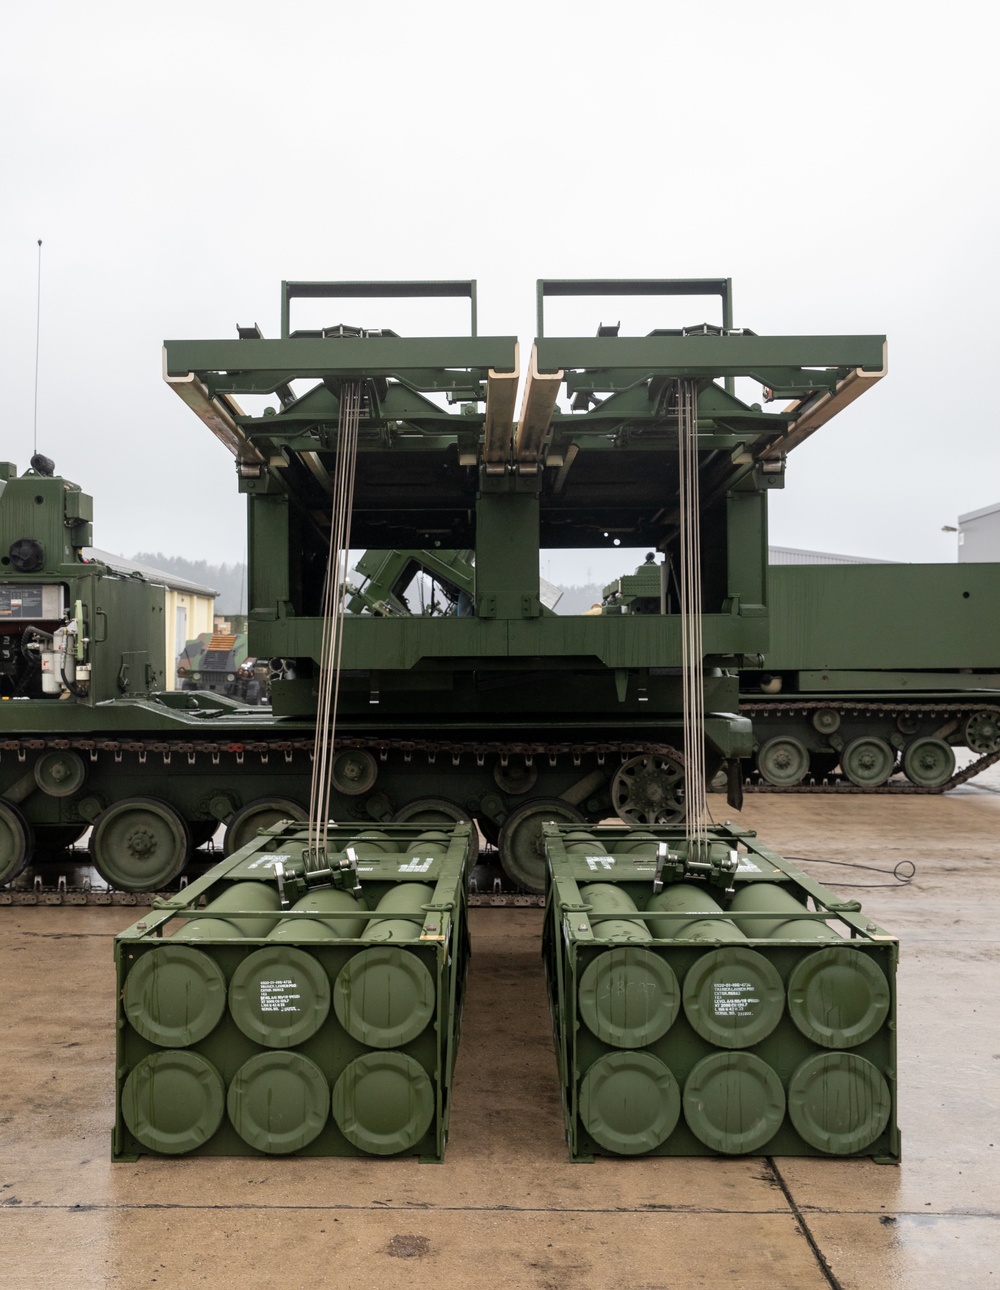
x,y
334,592
690,612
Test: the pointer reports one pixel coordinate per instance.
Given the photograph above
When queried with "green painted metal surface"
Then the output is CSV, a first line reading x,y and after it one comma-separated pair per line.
x,y
880,670
892,618
232,1040
777,1035
439,706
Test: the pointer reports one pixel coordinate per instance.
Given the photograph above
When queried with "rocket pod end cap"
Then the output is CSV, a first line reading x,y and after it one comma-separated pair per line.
x,y
384,996
174,995
838,997
384,1103
733,1102
838,1102
278,1102
629,997
629,1102
173,1102
733,997
279,996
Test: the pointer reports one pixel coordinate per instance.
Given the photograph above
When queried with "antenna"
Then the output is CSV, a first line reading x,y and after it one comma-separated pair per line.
x,y
38,332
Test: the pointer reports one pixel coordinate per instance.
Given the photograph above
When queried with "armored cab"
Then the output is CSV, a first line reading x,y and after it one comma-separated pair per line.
x,y
74,636
502,711
88,733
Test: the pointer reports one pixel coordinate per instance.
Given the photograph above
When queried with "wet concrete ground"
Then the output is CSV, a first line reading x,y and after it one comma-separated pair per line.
x,y
506,1208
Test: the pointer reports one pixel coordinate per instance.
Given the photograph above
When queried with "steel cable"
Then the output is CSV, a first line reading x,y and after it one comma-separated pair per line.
x,y
689,510
334,593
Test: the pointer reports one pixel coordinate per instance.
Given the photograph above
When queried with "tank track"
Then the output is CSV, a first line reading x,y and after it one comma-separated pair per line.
x,y
375,744
62,893
839,783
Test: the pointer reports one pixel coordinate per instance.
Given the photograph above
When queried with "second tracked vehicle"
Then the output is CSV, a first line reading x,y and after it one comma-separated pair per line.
x,y
875,675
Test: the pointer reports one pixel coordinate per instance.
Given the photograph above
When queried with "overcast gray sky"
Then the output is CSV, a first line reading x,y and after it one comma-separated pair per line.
x,y
838,162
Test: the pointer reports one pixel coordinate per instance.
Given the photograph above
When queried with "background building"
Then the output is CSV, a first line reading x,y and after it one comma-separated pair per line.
x,y
189,609
979,535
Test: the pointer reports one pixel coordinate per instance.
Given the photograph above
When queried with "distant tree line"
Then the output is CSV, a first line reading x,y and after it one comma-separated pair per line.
x,y
229,580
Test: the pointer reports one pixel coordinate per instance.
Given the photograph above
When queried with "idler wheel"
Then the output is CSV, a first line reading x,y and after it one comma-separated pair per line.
x,y
982,733
353,772
60,774
16,842
649,790
783,761
515,778
868,762
929,762
261,813
140,844
522,850
826,720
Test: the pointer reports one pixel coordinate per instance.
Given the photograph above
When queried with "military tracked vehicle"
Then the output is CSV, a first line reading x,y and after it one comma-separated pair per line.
x,y
501,712
89,735
874,677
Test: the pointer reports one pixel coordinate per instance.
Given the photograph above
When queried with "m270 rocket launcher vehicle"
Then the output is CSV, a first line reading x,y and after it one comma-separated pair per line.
x,y
500,712
503,711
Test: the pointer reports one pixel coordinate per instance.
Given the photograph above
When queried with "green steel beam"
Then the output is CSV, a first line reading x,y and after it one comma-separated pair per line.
x,y
342,358
713,356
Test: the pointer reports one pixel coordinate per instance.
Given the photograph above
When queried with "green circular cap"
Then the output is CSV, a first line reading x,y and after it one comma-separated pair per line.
x,y
174,995
838,997
384,996
173,1101
733,997
629,997
279,996
733,1102
383,1103
278,1102
629,1102
838,1102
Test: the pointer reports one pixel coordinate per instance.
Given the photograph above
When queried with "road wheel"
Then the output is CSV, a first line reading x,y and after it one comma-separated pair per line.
x,y
140,844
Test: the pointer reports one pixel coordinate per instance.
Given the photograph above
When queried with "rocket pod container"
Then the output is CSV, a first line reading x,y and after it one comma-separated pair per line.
x,y
714,1002
261,1012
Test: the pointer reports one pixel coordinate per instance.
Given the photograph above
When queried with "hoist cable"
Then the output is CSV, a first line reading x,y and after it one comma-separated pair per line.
x,y
692,666
334,593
